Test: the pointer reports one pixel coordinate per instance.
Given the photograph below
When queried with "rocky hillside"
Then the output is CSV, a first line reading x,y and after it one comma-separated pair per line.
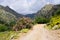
x,y
6,16
11,11
48,10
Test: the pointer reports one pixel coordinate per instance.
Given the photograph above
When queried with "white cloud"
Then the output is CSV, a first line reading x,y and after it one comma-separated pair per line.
x,y
27,6
23,6
56,2
31,2
7,2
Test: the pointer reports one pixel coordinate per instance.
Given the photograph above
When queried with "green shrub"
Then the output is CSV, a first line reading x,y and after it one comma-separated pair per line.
x,y
55,20
10,25
3,28
23,23
24,30
41,20
9,35
57,12
54,23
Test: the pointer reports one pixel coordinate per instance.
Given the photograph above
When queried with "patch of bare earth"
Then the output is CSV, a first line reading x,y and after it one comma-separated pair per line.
x,y
40,33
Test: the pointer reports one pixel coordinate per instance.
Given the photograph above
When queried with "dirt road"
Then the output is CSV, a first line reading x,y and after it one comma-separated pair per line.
x,y
40,33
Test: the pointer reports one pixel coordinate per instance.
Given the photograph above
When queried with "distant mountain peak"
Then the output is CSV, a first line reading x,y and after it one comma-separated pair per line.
x,y
8,9
47,7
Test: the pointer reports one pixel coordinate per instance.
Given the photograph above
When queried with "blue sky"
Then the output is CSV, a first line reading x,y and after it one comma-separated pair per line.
x,y
27,6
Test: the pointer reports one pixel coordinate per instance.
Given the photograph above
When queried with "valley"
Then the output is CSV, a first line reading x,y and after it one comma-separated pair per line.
x,y
42,25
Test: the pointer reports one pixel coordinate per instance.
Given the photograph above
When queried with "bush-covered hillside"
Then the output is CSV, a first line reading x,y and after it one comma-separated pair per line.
x,y
23,23
6,16
54,21
7,20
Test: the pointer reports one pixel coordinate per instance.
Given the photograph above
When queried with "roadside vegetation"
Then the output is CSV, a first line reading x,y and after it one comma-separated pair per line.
x,y
10,29
23,23
41,20
54,21
9,35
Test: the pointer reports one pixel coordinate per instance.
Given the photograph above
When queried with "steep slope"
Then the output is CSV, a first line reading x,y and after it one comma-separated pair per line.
x,y
13,12
5,16
48,10
8,9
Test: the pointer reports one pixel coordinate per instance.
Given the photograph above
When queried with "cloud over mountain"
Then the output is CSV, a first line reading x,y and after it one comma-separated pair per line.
x,y
27,6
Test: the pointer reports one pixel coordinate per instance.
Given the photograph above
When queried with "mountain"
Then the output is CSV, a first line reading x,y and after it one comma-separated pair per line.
x,y
8,9
48,10
30,15
13,12
5,16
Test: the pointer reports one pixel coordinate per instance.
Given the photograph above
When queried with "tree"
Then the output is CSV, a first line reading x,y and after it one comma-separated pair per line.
x,y
40,20
3,27
23,23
